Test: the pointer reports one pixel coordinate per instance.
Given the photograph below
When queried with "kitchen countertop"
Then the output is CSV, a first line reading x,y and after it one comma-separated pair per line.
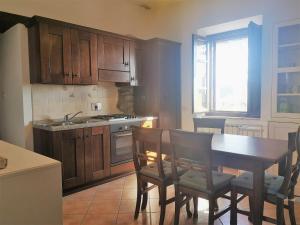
x,y
46,125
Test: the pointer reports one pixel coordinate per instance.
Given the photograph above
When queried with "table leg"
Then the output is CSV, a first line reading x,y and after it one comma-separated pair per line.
x,y
258,194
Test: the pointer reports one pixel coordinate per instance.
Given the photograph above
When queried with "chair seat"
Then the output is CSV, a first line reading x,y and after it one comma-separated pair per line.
x,y
272,184
151,170
197,180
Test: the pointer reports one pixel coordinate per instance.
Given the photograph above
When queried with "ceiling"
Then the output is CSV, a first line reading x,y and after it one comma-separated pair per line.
x,y
149,4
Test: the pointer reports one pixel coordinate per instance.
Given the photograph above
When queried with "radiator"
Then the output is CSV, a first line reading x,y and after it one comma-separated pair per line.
x,y
245,129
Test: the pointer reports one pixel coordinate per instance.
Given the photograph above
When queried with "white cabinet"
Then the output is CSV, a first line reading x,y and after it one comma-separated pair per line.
x,y
286,77
30,188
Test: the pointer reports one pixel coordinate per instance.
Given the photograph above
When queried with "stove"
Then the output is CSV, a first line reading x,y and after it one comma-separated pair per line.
x,y
115,117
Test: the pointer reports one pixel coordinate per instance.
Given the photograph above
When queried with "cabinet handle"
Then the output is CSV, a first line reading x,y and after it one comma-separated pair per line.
x,y
126,63
132,78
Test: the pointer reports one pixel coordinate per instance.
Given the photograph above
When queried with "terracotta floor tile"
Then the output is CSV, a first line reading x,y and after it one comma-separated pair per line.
x,y
97,219
71,206
128,206
114,203
85,195
105,207
73,219
129,194
128,219
113,185
104,195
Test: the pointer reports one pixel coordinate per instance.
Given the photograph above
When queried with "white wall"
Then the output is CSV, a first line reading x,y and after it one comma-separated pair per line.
x,y
15,100
119,16
179,21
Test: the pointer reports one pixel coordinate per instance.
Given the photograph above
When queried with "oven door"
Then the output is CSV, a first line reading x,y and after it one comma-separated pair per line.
x,y
121,147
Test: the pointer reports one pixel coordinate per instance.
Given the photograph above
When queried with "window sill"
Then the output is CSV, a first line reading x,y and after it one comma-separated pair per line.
x,y
229,115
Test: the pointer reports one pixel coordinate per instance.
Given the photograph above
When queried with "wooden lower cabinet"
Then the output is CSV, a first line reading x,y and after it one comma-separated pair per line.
x,y
97,153
69,149
84,153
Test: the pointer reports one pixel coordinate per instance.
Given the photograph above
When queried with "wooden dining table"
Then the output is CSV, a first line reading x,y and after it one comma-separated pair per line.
x,y
251,154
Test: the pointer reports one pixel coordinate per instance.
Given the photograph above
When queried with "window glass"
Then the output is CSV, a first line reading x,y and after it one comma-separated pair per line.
x,y
231,75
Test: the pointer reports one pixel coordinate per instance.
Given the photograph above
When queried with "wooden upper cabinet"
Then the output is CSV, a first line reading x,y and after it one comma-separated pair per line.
x,y
84,57
113,53
55,54
63,53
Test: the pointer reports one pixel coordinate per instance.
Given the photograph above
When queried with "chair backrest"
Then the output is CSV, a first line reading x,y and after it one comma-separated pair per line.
x,y
191,151
294,143
216,123
145,140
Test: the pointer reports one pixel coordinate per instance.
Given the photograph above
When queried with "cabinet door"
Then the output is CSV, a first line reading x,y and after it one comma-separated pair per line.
x,y
113,53
84,57
136,54
97,153
70,149
55,50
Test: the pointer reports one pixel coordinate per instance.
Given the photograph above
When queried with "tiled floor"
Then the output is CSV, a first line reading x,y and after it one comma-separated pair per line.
x,y
114,203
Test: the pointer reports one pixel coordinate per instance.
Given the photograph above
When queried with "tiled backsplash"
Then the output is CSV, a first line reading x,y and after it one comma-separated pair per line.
x,y
54,101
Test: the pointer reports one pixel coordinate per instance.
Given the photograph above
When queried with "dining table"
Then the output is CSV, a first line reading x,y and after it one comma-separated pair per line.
x,y
252,154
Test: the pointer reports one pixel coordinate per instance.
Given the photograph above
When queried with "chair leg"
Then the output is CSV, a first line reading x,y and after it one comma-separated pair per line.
x,y
138,200
292,212
195,201
233,212
211,214
162,197
188,209
250,217
145,197
177,206
280,213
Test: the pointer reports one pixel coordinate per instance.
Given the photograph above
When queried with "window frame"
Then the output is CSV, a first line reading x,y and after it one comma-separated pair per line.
x,y
211,40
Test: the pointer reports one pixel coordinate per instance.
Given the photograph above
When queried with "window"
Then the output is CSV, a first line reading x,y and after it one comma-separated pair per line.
x,y
231,75
227,73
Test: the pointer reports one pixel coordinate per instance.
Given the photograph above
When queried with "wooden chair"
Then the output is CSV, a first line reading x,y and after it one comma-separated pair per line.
x,y
192,151
294,143
277,189
151,168
209,123
215,123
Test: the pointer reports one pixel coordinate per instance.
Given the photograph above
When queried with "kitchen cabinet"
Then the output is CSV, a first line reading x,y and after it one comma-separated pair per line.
x,y
113,53
113,59
63,53
60,54
84,57
50,54
84,153
97,153
160,94
69,149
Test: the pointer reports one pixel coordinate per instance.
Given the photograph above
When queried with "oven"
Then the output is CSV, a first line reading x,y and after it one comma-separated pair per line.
x,y
121,142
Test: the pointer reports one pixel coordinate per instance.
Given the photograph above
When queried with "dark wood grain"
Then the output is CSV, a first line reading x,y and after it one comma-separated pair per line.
x,y
114,76
55,53
160,94
97,153
267,150
113,53
84,57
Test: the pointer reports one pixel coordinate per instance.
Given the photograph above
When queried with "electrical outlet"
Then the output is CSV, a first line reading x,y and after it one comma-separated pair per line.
x,y
96,106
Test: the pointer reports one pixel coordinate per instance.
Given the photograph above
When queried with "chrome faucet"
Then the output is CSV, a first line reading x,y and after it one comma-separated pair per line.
x,y
67,119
